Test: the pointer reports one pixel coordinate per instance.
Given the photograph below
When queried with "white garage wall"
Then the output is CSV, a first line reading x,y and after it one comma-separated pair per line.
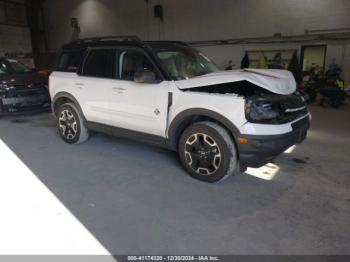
x,y
96,18
223,54
194,20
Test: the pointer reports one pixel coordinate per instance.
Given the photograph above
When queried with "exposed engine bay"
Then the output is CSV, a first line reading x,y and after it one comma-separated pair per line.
x,y
262,106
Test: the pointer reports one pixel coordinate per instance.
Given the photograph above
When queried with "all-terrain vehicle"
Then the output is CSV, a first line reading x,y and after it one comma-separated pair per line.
x,y
169,94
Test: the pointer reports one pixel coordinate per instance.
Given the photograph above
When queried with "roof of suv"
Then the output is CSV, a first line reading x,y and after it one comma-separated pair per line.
x,y
114,41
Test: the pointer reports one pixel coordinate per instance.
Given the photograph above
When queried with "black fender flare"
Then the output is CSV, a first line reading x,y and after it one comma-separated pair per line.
x,y
175,127
70,97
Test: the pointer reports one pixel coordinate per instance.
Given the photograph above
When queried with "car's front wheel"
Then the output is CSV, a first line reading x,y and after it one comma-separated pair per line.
x,y
71,125
207,152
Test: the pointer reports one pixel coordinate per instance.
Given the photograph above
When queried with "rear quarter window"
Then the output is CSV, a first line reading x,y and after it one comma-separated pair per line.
x,y
69,61
100,63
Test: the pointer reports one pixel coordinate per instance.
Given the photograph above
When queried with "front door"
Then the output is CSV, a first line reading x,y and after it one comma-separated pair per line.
x,y
139,106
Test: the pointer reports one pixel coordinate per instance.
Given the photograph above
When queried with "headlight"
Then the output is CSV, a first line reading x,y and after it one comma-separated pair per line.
x,y
261,112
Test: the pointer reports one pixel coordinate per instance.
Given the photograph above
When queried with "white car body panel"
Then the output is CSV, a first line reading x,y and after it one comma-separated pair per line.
x,y
140,107
92,93
229,106
275,80
118,103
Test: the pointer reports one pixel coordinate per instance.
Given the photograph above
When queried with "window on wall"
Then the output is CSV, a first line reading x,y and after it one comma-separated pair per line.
x,y
101,63
313,58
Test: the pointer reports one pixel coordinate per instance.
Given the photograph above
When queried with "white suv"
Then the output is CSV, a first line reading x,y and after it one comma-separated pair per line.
x,y
169,94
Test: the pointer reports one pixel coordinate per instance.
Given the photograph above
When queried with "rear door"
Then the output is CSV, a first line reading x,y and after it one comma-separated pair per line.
x,y
94,84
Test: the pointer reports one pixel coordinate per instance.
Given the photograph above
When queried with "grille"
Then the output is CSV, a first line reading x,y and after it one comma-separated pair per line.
x,y
22,90
27,92
293,108
292,103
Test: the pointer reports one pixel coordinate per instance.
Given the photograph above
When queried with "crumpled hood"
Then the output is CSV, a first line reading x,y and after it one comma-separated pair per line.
x,y
274,80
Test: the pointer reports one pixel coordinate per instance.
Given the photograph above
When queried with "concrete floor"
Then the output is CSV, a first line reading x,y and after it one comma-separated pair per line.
x,y
136,199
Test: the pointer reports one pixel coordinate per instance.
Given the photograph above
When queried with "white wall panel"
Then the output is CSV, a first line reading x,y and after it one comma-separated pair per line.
x,y
190,20
194,20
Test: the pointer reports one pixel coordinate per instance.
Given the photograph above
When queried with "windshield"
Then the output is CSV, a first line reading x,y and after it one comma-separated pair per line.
x,y
18,67
182,62
3,68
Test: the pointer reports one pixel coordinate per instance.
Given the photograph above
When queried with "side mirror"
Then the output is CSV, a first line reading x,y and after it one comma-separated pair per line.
x,y
145,76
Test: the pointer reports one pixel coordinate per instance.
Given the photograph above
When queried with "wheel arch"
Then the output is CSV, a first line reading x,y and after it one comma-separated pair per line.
x,y
190,116
62,98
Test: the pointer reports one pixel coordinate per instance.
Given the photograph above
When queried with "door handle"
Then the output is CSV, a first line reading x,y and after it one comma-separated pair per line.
x,y
118,88
79,85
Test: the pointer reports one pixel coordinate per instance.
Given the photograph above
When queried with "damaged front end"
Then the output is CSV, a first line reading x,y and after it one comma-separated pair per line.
x,y
23,98
270,95
261,106
276,118
275,109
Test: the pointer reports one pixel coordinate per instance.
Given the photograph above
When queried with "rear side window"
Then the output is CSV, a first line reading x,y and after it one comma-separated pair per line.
x,y
101,63
70,61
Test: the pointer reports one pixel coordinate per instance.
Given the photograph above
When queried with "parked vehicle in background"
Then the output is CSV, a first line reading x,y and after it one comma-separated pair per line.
x,y
169,94
22,89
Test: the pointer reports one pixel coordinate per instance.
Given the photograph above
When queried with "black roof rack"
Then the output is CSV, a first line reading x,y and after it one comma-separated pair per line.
x,y
108,38
167,42
114,40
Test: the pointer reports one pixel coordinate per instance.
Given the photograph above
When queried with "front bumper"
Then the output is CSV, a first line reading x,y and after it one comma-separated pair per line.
x,y
261,149
18,102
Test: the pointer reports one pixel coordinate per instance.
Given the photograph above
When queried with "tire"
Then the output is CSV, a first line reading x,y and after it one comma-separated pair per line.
x,y
207,152
70,124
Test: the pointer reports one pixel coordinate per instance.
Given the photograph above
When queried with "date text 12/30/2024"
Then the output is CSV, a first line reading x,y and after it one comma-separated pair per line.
x,y
173,258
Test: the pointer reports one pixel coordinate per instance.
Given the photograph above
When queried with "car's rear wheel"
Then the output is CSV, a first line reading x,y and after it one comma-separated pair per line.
x,y
71,125
207,152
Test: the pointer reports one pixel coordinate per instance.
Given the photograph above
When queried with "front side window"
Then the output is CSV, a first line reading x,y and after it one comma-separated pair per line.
x,y
182,62
101,63
132,61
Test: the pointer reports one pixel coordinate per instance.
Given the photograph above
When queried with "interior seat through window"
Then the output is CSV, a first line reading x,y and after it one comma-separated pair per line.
x,y
132,61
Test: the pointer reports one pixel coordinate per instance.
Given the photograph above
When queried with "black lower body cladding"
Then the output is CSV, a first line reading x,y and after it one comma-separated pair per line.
x,y
24,101
260,150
